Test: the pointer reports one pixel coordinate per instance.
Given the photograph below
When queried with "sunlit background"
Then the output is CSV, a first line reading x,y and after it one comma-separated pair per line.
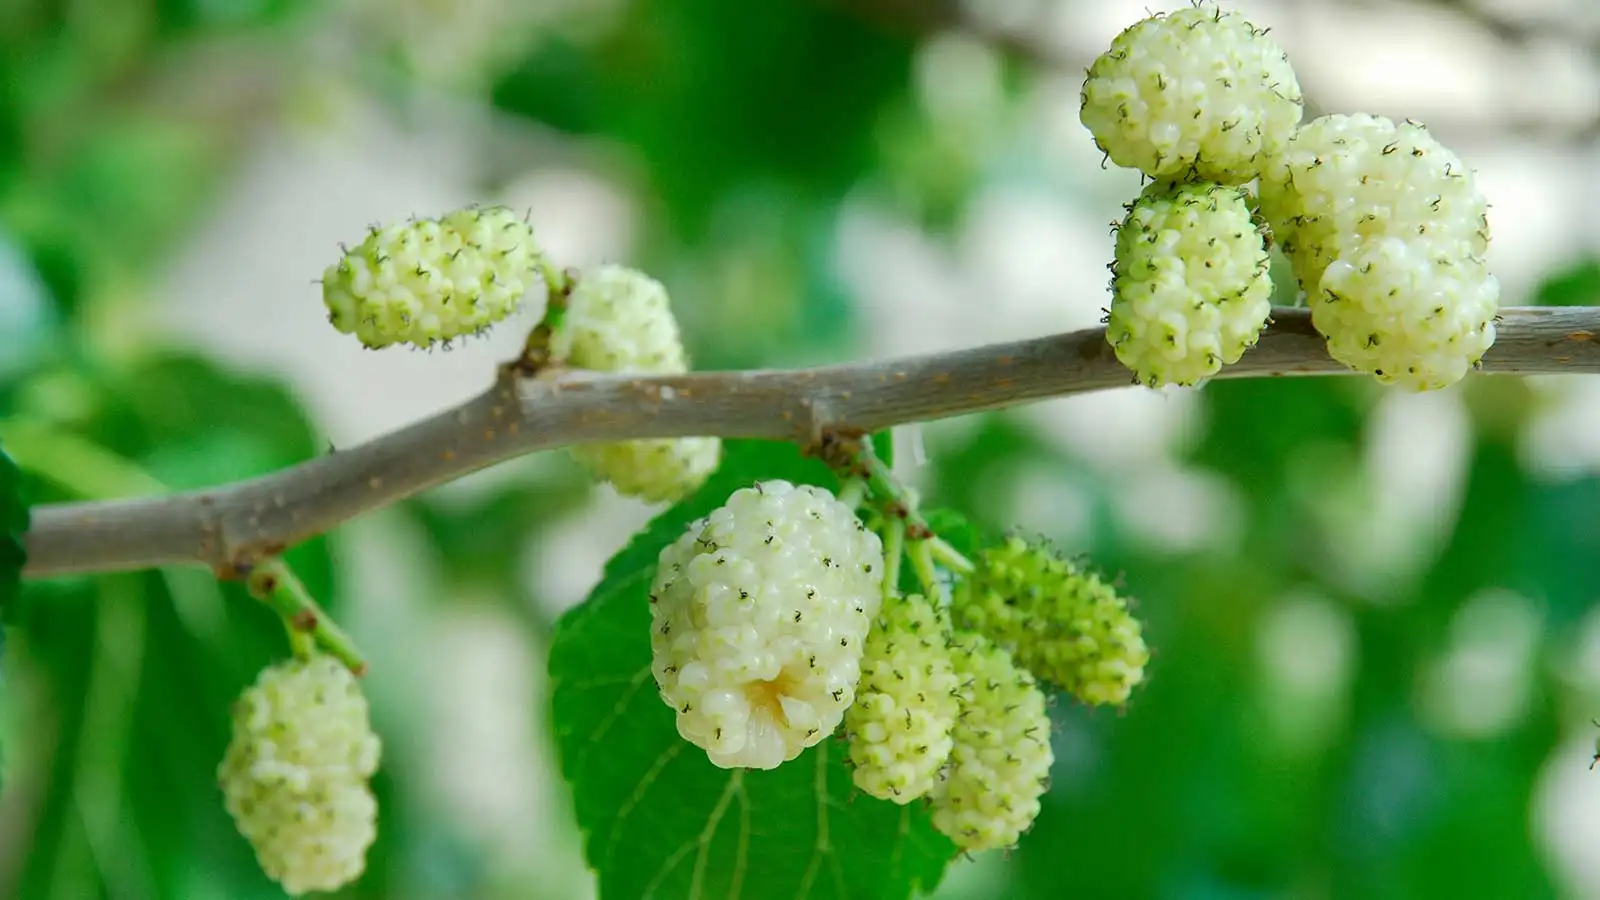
x,y
1377,615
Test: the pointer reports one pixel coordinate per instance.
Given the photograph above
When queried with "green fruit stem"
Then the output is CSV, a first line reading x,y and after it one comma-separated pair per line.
x,y
558,284
853,492
310,629
925,550
894,547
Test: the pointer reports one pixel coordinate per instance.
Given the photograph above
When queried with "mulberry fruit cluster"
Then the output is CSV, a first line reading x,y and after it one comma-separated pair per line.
x,y
1000,762
906,703
1384,227
1199,93
760,614
294,777
1190,286
429,281
620,320
1064,624
1386,230
771,628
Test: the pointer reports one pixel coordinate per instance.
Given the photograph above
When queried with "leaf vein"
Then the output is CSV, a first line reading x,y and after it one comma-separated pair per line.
x,y
741,855
622,705
708,835
639,790
668,864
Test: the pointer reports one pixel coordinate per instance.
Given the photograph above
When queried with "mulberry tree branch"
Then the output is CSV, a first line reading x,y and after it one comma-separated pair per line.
x,y
232,526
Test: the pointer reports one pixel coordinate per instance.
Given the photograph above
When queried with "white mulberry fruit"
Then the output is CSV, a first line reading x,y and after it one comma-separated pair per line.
x,y
1346,179
655,471
1198,93
430,281
906,703
295,774
1386,230
1000,764
1191,288
759,616
1407,313
1063,623
620,320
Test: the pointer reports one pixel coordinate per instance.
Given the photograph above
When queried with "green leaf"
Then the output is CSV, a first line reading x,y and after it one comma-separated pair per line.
x,y
1577,284
659,819
13,525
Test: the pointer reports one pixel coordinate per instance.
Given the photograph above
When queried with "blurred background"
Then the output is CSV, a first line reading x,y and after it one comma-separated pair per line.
x,y
1377,615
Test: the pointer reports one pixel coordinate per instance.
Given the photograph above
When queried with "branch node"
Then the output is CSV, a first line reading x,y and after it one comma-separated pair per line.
x,y
839,446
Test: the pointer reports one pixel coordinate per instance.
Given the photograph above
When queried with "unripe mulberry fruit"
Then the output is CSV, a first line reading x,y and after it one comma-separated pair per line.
x,y
1347,179
620,320
430,281
1406,313
759,616
1063,623
906,704
1190,288
1198,93
295,774
1000,762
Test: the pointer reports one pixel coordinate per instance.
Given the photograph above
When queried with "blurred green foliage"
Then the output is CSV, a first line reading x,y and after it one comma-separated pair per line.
x,y
743,129
14,521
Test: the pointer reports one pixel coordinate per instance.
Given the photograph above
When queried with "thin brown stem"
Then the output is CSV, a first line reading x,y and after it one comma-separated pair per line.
x,y
241,523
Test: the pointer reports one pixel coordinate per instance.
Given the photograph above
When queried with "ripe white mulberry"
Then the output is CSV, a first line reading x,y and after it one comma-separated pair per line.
x,y
1408,314
655,471
620,320
1386,230
1345,179
906,704
1197,93
1191,288
760,613
295,774
1063,623
429,281
1000,763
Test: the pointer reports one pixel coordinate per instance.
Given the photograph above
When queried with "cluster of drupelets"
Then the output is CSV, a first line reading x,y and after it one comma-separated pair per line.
x,y
295,776
1384,228
779,619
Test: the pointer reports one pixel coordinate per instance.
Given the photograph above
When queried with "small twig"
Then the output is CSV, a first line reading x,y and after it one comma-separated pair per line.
x,y
248,521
